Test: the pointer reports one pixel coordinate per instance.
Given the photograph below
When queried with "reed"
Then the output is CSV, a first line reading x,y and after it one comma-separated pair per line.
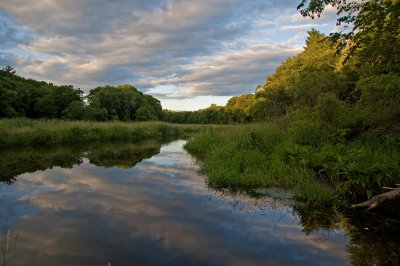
x,y
7,243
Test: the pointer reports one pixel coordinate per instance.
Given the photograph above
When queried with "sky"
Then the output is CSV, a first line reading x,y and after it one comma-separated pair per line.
x,y
189,54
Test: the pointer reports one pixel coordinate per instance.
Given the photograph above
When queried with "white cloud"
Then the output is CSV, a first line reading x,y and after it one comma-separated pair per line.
x,y
302,27
232,72
328,14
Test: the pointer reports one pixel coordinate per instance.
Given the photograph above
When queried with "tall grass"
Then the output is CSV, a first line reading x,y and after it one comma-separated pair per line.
x,y
302,157
21,132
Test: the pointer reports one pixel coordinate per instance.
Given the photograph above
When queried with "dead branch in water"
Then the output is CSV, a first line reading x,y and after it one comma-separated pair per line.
x,y
378,200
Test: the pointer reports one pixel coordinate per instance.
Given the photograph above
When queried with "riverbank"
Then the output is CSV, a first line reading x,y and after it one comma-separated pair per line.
x,y
23,132
317,168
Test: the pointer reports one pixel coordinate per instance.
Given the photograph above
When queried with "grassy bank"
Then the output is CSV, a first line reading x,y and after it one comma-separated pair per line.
x,y
312,160
22,132
301,157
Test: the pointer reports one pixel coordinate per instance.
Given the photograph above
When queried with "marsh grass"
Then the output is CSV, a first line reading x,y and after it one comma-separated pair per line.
x,y
21,131
302,157
313,192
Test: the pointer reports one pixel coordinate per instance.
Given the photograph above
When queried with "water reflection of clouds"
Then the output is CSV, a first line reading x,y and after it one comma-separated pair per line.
x,y
331,243
167,160
172,154
174,146
91,214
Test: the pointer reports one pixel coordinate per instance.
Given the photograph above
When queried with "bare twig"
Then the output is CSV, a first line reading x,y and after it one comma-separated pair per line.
x,y
389,188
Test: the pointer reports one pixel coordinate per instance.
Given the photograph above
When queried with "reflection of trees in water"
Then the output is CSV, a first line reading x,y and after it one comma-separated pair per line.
x,y
373,240
15,162
122,155
317,218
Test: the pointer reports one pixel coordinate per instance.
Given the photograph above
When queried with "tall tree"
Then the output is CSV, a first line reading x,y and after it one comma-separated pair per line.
x,y
373,30
124,103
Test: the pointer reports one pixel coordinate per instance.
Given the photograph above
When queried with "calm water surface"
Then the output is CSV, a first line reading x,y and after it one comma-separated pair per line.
x,y
148,205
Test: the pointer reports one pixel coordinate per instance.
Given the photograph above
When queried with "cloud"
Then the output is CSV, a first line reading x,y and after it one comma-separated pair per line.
x,y
6,59
329,14
12,34
205,47
302,27
147,39
231,73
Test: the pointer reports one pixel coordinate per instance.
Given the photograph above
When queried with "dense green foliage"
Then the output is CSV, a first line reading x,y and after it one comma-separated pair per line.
x,y
373,30
20,97
124,103
22,132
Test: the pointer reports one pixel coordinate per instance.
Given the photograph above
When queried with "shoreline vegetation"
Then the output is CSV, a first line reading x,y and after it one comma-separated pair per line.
x,y
298,158
19,132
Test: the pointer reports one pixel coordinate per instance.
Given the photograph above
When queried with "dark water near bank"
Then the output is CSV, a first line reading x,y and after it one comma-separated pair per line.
x,y
128,204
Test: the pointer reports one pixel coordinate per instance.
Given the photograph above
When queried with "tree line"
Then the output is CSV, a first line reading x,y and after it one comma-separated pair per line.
x,y
21,97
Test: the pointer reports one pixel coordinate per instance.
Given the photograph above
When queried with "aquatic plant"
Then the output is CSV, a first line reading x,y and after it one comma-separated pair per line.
x,y
7,242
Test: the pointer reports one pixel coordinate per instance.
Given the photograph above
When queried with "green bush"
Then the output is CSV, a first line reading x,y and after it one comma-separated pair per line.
x,y
308,132
380,101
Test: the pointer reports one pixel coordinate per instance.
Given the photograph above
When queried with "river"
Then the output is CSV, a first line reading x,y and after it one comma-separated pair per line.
x,y
149,204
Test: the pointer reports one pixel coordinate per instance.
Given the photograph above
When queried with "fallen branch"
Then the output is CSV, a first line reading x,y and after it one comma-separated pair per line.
x,y
377,200
390,188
